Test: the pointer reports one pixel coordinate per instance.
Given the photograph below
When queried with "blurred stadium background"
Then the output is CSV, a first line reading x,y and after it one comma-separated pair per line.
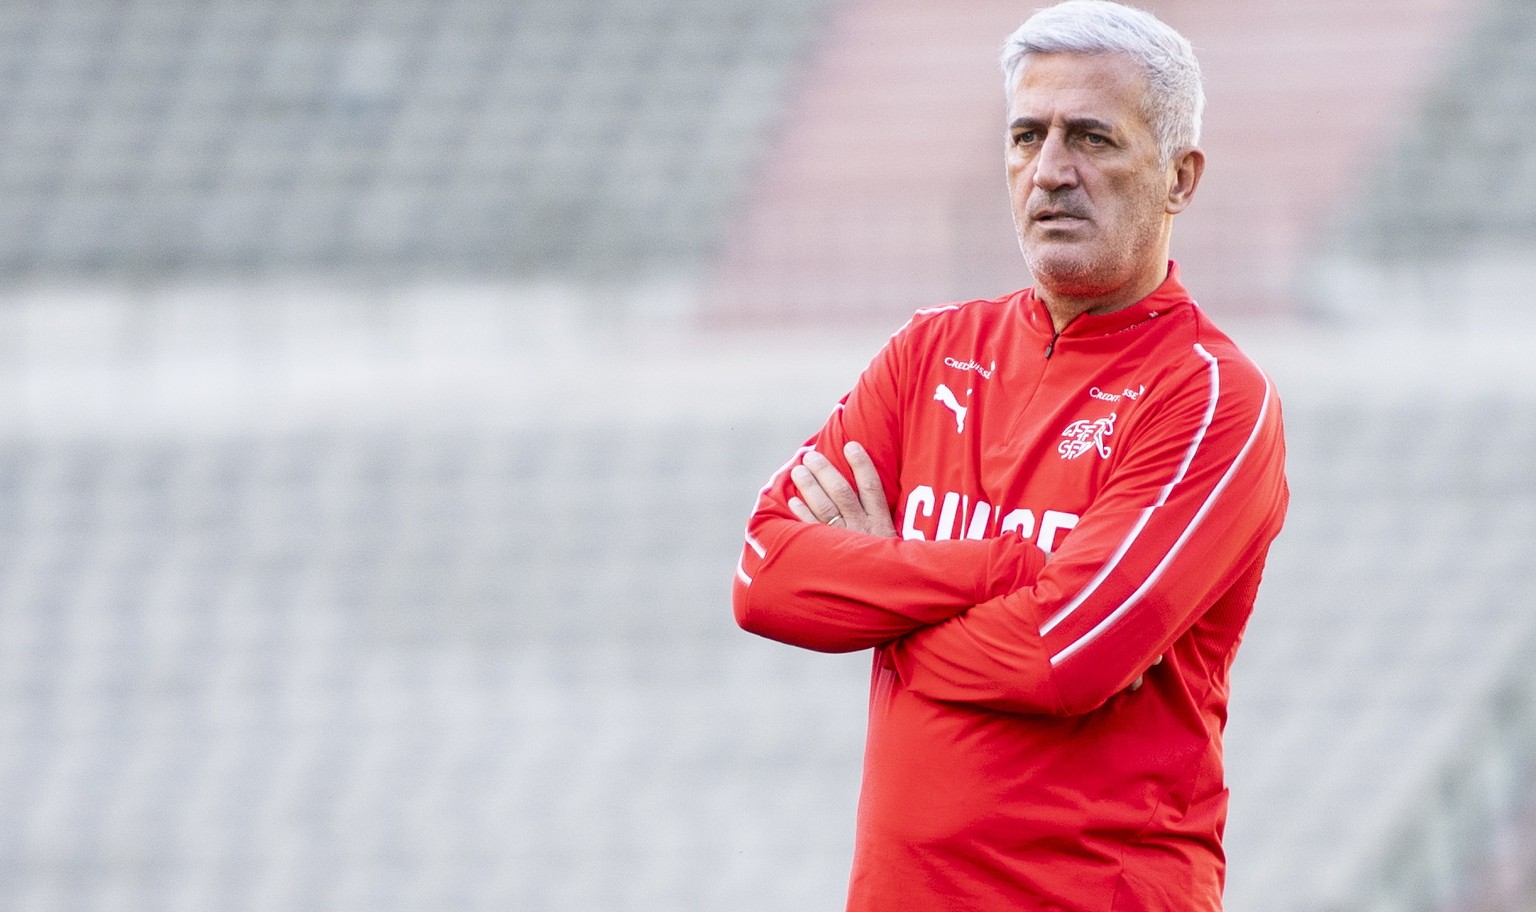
x,y
383,386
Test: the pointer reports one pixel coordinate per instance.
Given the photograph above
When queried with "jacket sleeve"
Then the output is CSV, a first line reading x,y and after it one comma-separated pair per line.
x,y
833,590
1188,514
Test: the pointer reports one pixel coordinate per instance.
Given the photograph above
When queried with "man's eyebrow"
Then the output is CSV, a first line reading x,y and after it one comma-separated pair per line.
x,y
1092,124
1075,123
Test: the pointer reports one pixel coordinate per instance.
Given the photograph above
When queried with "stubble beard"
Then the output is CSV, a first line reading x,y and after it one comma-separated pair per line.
x,y
1092,267
1066,273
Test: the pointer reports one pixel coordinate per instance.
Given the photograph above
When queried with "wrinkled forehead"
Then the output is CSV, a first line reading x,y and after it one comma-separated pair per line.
x,y
1111,87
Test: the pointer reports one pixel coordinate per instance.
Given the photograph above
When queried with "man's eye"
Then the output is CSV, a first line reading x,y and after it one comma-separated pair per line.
x,y
1024,136
1094,139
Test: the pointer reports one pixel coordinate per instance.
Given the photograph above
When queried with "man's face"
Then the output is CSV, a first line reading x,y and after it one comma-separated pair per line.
x,y
1090,200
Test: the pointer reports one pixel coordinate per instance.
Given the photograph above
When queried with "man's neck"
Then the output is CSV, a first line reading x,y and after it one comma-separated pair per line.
x,y
1064,308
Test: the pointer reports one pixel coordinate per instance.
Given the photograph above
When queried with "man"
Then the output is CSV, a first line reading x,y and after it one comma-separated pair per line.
x,y
1086,477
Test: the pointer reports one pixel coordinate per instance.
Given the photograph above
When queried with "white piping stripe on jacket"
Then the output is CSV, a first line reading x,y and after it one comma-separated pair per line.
x,y
1141,521
923,313
1183,538
753,543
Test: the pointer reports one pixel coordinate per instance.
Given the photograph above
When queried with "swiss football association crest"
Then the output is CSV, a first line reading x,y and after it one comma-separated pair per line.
x,y
1083,436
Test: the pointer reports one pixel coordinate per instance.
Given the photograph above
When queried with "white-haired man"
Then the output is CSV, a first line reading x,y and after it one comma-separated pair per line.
x,y
1086,477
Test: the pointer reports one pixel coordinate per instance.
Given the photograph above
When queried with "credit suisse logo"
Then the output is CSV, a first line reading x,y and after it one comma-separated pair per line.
x,y
1091,435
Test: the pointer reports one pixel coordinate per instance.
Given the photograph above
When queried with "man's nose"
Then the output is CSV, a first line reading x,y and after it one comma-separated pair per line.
x,y
1053,165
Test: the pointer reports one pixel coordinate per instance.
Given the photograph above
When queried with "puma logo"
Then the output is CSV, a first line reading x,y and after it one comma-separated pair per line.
x,y
946,396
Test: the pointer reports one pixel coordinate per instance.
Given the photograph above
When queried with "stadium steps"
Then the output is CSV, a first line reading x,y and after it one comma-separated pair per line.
x,y
375,141
1454,199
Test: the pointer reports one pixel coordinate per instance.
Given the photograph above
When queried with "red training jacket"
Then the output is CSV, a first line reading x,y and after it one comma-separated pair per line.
x,y
1071,507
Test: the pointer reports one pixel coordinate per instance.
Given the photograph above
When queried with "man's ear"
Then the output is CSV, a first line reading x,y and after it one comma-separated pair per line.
x,y
1184,177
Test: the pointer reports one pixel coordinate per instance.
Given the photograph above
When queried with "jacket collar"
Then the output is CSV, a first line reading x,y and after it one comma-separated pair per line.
x,y
1165,297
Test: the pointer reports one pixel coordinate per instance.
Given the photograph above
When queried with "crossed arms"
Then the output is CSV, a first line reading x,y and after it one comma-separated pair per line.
x,y
1183,525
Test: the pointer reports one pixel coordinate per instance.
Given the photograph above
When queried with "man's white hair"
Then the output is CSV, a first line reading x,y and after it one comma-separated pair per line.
x,y
1175,97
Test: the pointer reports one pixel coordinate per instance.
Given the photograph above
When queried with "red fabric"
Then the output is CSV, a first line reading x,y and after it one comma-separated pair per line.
x,y
1107,496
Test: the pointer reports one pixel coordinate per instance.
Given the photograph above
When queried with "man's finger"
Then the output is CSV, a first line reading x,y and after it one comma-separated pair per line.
x,y
845,500
877,513
812,495
826,495
867,478
1141,678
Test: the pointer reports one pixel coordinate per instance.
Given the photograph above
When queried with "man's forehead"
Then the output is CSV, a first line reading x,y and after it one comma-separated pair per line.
x,y
1107,86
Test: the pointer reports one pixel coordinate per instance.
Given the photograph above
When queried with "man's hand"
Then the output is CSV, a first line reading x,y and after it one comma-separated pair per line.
x,y
1136,684
827,497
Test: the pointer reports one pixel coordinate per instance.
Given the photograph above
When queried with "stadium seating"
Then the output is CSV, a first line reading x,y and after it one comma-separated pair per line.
x,y
1459,178
385,140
